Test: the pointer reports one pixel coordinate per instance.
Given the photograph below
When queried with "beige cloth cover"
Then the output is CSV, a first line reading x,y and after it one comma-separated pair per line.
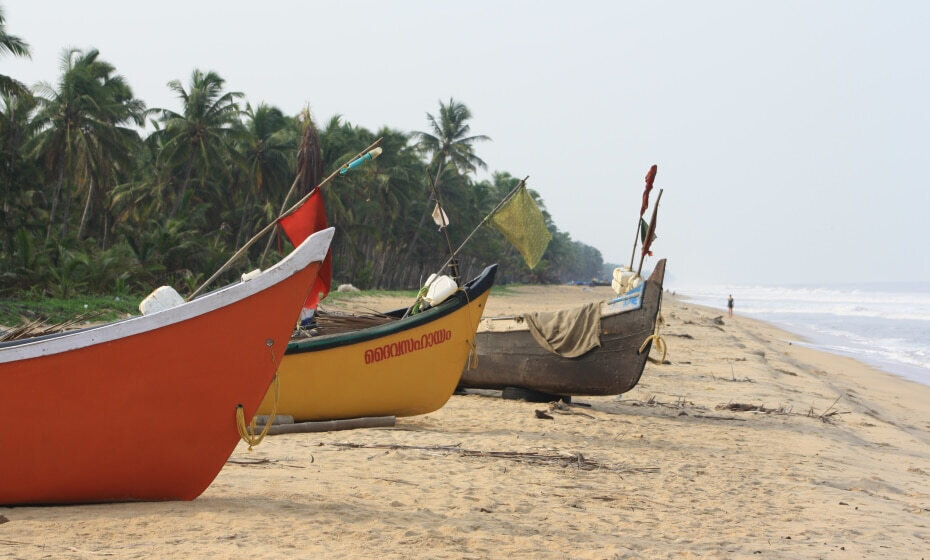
x,y
569,333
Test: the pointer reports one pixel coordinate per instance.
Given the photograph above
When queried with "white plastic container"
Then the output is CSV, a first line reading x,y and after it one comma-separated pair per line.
x,y
441,288
624,280
162,298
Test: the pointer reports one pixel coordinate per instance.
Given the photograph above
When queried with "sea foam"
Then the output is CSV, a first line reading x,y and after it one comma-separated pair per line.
x,y
886,325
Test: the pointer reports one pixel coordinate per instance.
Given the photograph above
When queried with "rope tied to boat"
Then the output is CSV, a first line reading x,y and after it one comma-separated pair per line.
x,y
471,362
247,432
659,342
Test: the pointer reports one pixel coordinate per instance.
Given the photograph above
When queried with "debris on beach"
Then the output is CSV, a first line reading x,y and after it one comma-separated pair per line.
x,y
559,407
741,407
37,327
555,459
826,416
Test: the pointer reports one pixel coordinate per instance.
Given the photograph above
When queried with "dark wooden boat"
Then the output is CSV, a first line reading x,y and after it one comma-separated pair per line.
x,y
509,356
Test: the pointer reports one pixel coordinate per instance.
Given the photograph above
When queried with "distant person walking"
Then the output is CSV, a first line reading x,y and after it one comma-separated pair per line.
x,y
730,304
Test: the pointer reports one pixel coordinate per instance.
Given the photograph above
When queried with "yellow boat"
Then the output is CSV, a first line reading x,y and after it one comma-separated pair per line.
x,y
405,367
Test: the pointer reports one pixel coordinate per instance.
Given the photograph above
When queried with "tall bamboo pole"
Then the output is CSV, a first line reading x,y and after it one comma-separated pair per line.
x,y
287,197
470,235
485,220
445,227
288,212
636,240
416,233
643,210
650,232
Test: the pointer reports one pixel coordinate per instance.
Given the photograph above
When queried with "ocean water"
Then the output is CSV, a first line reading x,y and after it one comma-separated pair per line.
x,y
886,325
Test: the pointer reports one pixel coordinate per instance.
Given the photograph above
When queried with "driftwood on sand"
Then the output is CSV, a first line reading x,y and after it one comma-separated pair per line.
x,y
555,459
262,419
826,416
329,425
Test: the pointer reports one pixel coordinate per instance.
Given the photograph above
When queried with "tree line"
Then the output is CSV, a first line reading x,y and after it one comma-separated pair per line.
x,y
100,193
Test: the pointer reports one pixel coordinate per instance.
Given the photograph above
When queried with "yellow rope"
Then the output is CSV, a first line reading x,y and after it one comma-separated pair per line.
x,y
247,433
659,342
472,360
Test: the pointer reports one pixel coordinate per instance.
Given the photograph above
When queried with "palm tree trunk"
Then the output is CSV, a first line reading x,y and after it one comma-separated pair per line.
x,y
90,196
66,211
245,212
69,188
183,190
51,214
274,231
416,234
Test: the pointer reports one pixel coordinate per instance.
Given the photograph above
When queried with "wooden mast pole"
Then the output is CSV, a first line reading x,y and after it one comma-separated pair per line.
x,y
650,232
649,182
272,225
484,221
470,235
444,227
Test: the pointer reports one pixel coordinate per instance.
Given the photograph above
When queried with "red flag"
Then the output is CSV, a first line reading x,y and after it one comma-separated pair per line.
x,y
650,178
308,219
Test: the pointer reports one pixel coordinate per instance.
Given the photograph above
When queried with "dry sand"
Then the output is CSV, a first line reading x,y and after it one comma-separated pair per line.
x,y
679,477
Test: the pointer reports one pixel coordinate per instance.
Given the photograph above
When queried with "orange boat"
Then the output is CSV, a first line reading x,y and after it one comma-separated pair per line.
x,y
145,408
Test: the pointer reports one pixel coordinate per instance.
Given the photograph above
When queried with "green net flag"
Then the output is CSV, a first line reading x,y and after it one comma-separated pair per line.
x,y
644,231
522,223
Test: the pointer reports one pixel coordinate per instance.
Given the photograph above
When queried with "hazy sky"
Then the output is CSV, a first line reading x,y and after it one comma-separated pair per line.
x,y
791,137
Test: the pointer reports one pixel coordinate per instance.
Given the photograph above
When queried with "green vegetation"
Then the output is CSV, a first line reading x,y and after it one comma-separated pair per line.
x,y
335,297
92,204
55,310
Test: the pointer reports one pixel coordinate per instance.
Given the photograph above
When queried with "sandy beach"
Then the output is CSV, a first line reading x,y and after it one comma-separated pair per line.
x,y
836,464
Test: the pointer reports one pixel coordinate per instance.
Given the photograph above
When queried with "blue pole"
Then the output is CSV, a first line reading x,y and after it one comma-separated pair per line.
x,y
358,162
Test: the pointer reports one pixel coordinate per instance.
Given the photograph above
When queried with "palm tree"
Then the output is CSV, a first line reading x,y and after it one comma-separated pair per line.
x,y
14,94
200,135
81,136
116,147
11,44
266,144
17,127
449,142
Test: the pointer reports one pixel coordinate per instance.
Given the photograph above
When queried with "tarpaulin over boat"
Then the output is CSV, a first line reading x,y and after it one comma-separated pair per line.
x,y
569,333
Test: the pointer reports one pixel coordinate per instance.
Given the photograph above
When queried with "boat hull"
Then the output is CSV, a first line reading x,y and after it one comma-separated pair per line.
x,y
408,367
145,409
515,359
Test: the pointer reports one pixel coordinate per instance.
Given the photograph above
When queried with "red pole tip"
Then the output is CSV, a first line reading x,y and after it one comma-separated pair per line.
x,y
651,176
